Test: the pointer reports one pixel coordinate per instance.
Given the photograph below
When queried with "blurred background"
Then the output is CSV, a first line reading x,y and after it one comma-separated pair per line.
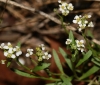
x,y
32,29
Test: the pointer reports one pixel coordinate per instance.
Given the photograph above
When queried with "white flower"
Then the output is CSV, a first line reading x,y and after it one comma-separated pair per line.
x,y
2,45
42,46
18,53
66,12
49,55
89,16
80,29
10,50
79,22
76,19
29,52
65,8
5,53
91,24
13,56
17,50
43,57
46,56
85,21
80,43
68,41
59,1
3,61
62,6
45,53
81,49
70,6
9,55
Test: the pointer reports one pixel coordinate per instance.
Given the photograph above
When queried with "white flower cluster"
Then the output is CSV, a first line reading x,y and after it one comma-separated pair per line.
x,y
45,55
65,8
29,52
9,51
79,44
83,22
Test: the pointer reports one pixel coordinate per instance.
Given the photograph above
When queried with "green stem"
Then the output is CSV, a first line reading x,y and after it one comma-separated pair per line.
x,y
33,61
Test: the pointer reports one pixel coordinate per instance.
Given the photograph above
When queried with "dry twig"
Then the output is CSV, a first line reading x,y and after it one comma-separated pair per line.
x,y
41,13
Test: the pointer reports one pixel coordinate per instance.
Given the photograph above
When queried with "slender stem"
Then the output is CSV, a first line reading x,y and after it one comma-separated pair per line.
x,y
33,61
37,76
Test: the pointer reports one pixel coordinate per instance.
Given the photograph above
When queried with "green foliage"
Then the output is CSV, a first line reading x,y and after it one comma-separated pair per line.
x,y
41,67
82,52
22,73
71,36
89,72
85,57
57,61
68,61
66,81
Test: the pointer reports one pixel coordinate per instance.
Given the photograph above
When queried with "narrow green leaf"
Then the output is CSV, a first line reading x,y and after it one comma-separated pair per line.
x,y
96,61
89,33
57,61
8,64
41,67
89,72
22,73
85,57
68,61
71,36
66,81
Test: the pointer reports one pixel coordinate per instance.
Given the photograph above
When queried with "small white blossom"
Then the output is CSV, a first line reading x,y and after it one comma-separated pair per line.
x,y
49,55
5,53
2,45
46,56
70,6
91,24
29,52
10,50
80,29
3,61
59,1
68,41
80,43
18,53
81,49
76,19
17,50
65,8
13,56
88,16
45,53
